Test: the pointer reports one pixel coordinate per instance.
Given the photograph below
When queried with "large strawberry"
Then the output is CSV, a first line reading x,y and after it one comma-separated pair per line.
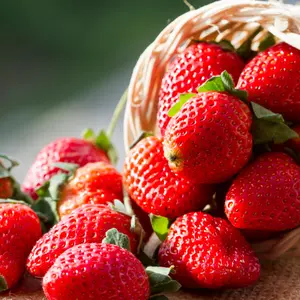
x,y
209,140
96,271
272,79
265,195
69,150
87,224
19,230
208,252
155,188
94,183
192,68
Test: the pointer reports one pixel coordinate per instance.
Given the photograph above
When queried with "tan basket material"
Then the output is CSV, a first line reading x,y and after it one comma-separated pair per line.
x,y
232,20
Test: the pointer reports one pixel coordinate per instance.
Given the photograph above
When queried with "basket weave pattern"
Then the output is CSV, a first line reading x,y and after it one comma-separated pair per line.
x,y
232,20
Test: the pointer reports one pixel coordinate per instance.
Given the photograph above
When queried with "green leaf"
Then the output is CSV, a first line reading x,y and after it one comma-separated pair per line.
x,y
214,84
4,173
48,207
142,136
146,260
89,135
269,127
158,297
103,142
183,98
245,50
160,281
267,42
160,226
264,132
71,168
13,201
3,284
114,237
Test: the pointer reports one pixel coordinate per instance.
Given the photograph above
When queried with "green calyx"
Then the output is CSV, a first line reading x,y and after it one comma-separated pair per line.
x,y
114,237
49,193
222,83
160,226
160,281
3,284
269,127
102,141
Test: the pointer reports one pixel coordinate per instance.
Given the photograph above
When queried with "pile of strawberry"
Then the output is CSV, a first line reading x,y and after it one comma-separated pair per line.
x,y
223,173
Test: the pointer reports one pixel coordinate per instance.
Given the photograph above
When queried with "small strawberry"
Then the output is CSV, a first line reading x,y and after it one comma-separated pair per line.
x,y
265,195
69,150
94,183
86,224
96,271
272,79
189,70
19,230
208,252
155,188
6,186
209,140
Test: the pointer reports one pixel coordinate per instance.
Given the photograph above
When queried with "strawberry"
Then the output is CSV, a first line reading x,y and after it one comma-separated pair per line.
x,y
86,224
209,140
69,150
272,80
265,195
96,271
155,188
20,229
189,70
208,252
94,183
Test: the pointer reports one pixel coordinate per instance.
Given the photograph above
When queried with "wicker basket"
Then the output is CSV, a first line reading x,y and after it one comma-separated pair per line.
x,y
232,20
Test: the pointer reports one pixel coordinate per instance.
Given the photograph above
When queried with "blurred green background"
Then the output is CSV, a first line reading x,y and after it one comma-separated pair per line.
x,y
65,64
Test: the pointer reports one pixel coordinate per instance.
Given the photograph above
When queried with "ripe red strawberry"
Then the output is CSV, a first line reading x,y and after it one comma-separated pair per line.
x,y
19,230
155,188
94,183
265,195
87,224
208,252
208,140
272,79
70,150
191,69
96,271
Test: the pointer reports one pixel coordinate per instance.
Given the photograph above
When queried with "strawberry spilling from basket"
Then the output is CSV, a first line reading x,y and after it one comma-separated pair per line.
x,y
218,189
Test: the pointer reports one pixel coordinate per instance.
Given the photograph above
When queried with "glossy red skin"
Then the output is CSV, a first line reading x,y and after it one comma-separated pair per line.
x,y
189,70
94,183
19,230
208,252
96,271
272,79
155,188
87,224
209,140
265,195
70,150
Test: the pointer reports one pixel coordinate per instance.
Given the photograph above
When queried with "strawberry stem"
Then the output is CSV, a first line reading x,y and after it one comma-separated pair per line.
x,y
116,115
